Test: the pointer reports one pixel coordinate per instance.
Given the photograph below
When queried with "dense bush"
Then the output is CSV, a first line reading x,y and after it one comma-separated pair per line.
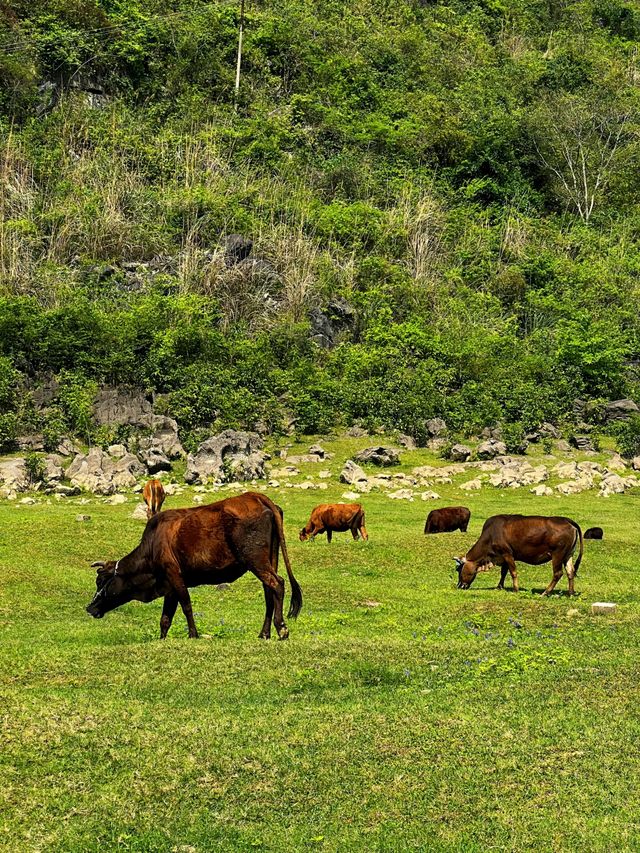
x,y
418,163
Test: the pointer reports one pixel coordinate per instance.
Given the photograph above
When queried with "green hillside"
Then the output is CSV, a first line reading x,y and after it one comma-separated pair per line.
x,y
442,199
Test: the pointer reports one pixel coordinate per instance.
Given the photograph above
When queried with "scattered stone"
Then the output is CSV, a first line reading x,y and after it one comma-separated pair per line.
x,y
317,450
115,500
616,463
407,441
573,487
198,499
33,443
369,603
572,612
83,518
430,496
140,512
612,484
154,459
13,475
620,410
324,475
581,442
352,473
98,472
236,249
287,471
490,449
230,456
603,607
563,446
401,495
542,491
382,456
173,489
222,587
356,432
545,430
471,485
117,450
328,326
350,496
635,463
67,448
436,427
566,469
274,484
27,501
305,458
460,453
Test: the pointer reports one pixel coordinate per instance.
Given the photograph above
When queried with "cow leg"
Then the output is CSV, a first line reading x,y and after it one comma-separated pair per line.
x,y
329,534
363,529
570,575
276,585
503,574
511,566
265,634
557,574
355,532
184,598
168,612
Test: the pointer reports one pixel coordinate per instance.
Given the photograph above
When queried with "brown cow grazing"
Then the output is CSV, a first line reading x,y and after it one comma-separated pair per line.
x,y
594,533
448,519
330,518
153,495
211,544
534,539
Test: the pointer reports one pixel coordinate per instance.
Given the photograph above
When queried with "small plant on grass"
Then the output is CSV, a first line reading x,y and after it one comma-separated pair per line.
x,y
628,437
35,468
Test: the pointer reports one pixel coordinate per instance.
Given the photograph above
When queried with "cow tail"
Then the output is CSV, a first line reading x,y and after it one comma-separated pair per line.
x,y
580,537
296,593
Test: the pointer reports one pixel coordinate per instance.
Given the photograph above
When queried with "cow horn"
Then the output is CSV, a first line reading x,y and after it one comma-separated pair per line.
x,y
459,562
99,564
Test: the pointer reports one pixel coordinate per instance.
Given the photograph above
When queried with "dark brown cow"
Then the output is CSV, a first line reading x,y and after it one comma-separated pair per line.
x,y
594,533
211,544
153,495
447,519
338,518
533,539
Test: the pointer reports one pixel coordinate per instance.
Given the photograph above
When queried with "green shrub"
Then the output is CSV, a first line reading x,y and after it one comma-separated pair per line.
x,y
628,437
35,467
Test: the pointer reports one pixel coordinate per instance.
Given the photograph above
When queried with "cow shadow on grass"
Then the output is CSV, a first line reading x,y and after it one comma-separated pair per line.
x,y
557,593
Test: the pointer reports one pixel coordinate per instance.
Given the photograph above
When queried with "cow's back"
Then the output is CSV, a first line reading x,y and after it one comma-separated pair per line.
x,y
205,536
526,534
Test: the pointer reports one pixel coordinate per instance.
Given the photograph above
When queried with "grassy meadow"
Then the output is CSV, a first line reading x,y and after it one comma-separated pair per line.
x,y
401,714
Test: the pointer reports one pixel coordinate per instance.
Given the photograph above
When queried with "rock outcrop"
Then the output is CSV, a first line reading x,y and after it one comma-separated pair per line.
x,y
230,456
382,456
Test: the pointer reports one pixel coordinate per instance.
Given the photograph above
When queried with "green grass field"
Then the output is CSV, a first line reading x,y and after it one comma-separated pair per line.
x,y
402,713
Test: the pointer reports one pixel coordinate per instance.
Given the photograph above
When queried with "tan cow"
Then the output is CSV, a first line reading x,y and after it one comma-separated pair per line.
x,y
330,518
153,495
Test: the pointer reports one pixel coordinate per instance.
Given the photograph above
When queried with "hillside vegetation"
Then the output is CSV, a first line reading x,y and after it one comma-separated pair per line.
x,y
463,176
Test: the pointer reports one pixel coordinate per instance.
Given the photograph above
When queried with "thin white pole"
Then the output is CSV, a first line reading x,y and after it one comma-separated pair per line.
x,y
239,61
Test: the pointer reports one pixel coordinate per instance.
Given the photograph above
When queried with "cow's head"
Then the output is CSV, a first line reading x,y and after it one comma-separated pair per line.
x,y
467,571
115,587
304,534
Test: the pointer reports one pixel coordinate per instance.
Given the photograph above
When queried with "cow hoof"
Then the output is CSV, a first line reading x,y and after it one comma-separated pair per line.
x,y
283,634
262,636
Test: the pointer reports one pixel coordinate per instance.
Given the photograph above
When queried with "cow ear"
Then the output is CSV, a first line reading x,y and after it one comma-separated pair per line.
x,y
459,562
99,564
